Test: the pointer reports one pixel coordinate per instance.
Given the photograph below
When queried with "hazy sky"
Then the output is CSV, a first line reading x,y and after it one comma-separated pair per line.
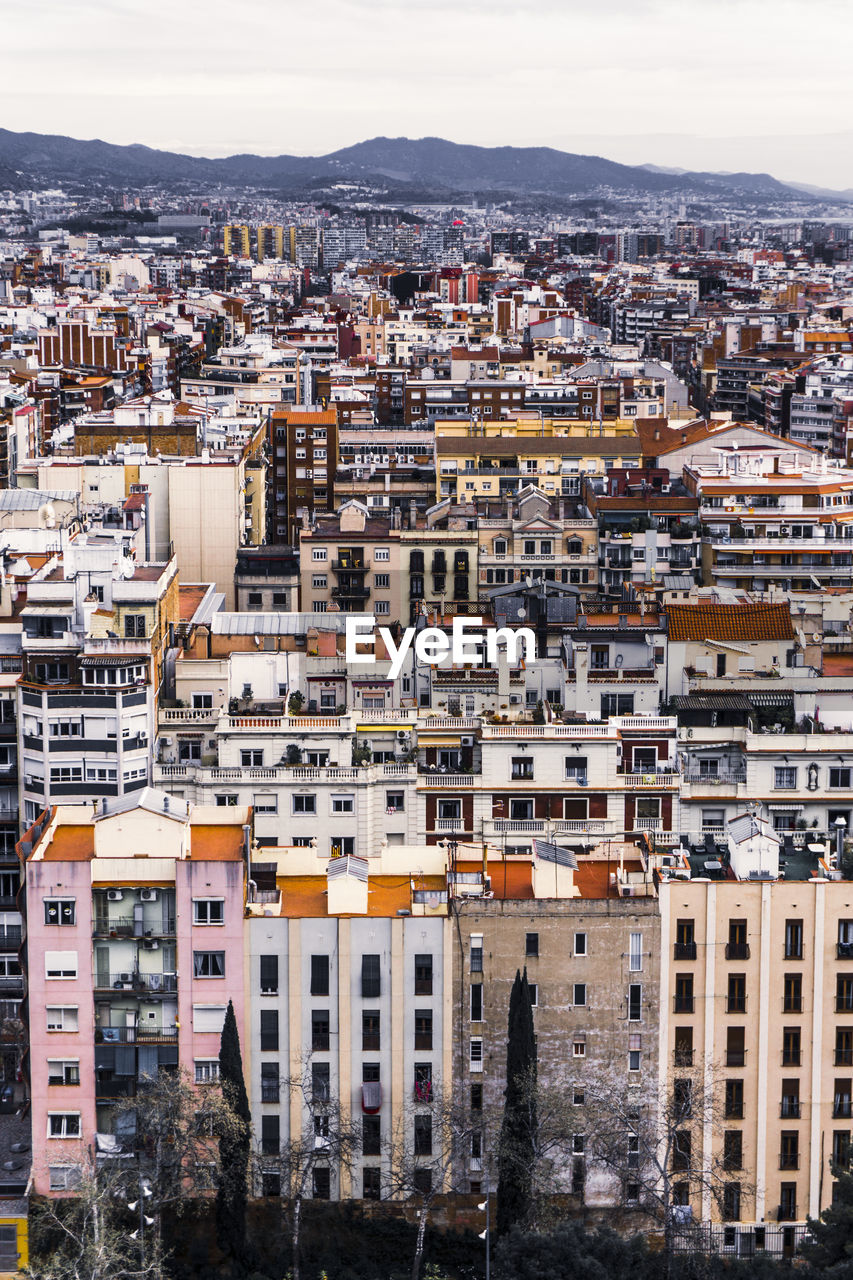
x,y
723,84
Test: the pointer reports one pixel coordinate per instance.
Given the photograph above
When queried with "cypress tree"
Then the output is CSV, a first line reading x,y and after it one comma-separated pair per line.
x,y
829,1244
234,1144
518,1131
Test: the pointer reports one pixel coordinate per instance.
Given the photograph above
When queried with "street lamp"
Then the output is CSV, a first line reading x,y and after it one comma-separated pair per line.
x,y
487,1234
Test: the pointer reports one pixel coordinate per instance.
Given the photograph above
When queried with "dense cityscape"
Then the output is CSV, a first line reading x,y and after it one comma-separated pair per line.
x,y
540,943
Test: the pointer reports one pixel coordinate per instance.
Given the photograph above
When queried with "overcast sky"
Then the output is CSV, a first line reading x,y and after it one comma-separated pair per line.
x,y
721,84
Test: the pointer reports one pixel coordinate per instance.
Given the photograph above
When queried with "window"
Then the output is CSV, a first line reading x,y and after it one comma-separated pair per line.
x,y
531,944
269,1030
785,778
395,802
371,1136
381,553
579,994
793,939
208,910
318,553
269,975
476,1097
208,964
476,1002
841,1100
683,993
737,947
134,626
423,975
476,953
227,800
844,992
63,1124
734,1100
685,943
60,911
423,1028
61,1017
578,1048
735,1047
63,1071
206,1070
791,1047
576,767
844,1046
635,953
580,944
304,804
320,1081
371,981
251,759
319,975
789,1149
792,993
341,846
521,768
320,1030
382,581
370,1029
790,1105
343,804
202,701
63,1177
475,1053
616,704
732,1149
60,964
731,1201
67,773
635,1002
270,1135
736,995
635,1052
269,1082
423,1136
839,778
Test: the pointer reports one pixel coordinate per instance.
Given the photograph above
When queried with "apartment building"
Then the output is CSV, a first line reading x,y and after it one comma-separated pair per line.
x,y
756,998
303,448
95,629
350,997
648,527
536,538
783,521
471,466
593,962
133,949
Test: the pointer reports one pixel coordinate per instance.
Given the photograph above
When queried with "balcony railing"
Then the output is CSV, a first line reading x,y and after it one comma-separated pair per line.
x,y
683,1004
792,1057
683,1057
737,950
789,1160
156,983
684,951
789,1109
787,1212
844,951
735,1057
127,927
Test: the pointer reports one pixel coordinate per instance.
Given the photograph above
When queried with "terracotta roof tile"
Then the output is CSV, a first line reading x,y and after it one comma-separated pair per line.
x,y
732,622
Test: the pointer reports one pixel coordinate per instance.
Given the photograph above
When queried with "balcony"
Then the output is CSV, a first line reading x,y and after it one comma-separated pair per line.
x,y
10,937
136,1035
351,592
844,951
737,951
735,1057
127,927
789,1109
843,1058
789,1160
842,1109
684,951
787,1212
682,1004
736,1004
792,1057
350,566
153,983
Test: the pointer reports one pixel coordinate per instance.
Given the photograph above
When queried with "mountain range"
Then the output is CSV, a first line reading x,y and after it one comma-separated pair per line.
x,y
396,164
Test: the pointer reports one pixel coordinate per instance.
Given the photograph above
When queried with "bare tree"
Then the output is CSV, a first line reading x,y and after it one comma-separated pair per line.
x,y
90,1235
426,1155
176,1128
326,1139
660,1145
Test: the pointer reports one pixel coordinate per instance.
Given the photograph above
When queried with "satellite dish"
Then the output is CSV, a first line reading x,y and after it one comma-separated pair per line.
x,y
128,568
47,516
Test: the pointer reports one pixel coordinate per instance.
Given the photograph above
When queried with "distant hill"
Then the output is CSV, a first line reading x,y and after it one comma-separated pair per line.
x,y
425,163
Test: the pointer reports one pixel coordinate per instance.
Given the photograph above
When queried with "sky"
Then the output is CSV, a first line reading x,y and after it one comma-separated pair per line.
x,y
762,85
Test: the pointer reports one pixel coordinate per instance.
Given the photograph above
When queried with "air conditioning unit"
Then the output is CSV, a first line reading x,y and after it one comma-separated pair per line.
x,y
148,895
466,740
166,742
627,891
115,895
125,977
402,735
150,944
784,528
582,782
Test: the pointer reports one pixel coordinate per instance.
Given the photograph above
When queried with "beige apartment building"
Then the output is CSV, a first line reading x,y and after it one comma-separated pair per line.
x,y
756,998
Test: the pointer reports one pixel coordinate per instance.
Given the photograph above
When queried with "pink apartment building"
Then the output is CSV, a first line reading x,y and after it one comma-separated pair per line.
x,y
134,946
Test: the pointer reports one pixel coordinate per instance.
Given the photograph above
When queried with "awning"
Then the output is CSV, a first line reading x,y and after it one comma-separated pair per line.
x,y
371,1097
762,699
786,808
733,648
106,660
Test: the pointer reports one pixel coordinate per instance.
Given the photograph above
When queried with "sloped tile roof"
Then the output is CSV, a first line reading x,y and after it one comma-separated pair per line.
x,y
724,622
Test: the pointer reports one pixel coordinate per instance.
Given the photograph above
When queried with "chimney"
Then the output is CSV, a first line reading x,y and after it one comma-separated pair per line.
x,y
509,509
561,509
413,514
